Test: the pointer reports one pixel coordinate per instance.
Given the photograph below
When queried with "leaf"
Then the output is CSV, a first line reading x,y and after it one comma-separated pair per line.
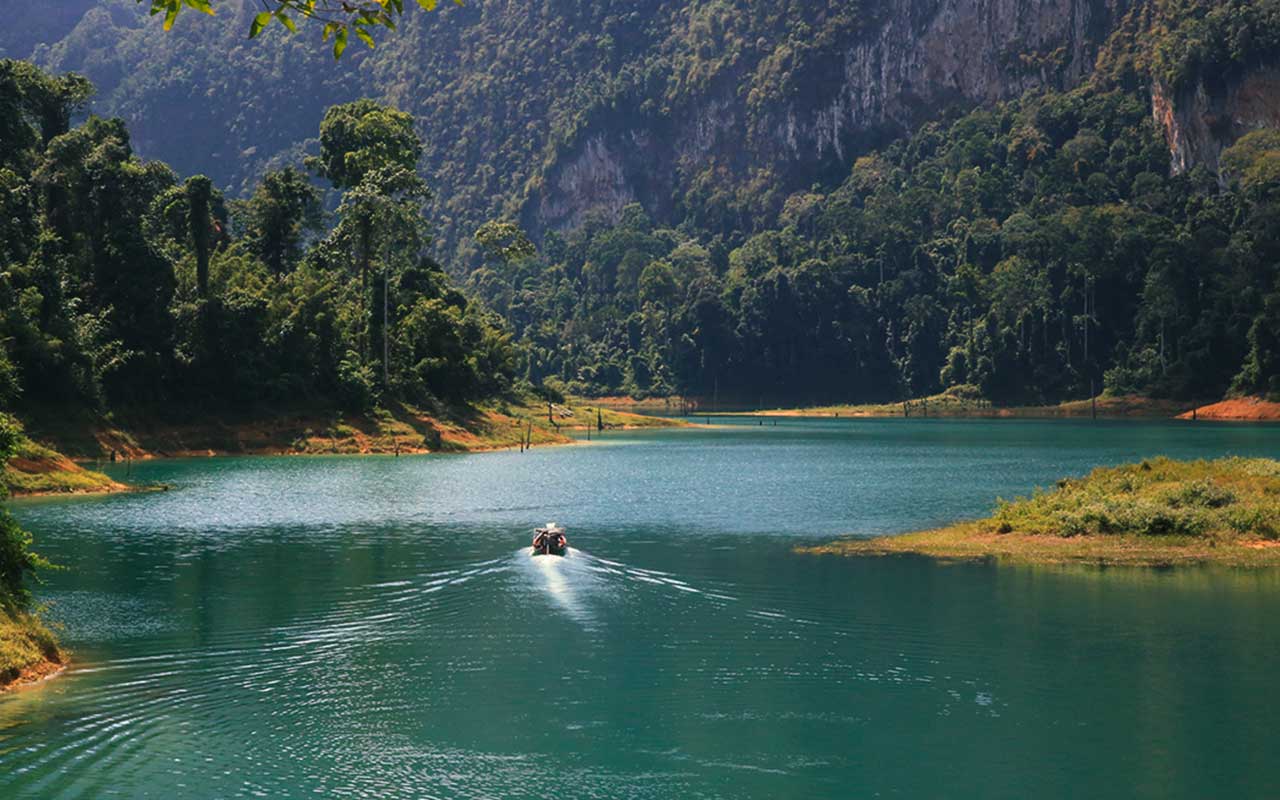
x,y
365,37
340,42
429,5
286,21
200,5
170,16
259,22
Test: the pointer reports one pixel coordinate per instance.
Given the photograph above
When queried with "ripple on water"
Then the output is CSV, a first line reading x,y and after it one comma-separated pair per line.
x,y
344,628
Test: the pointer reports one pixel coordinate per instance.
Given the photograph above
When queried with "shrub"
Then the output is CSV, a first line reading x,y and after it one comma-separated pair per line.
x,y
1201,494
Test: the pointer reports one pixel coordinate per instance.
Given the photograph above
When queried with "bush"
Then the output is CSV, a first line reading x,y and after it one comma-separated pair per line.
x,y
1199,494
17,562
1157,497
552,390
357,384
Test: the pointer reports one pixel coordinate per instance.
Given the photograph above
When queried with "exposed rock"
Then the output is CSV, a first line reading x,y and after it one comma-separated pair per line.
x,y
1202,121
919,58
592,180
926,56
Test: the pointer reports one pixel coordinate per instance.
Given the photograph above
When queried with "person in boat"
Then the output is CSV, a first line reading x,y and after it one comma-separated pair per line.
x,y
550,539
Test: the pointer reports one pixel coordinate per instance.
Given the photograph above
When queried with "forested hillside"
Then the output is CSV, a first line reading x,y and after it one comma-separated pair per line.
x,y
713,110
1041,249
804,202
1032,251
123,284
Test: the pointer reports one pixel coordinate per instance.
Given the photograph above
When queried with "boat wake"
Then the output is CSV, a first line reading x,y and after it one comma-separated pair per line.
x,y
567,580
579,583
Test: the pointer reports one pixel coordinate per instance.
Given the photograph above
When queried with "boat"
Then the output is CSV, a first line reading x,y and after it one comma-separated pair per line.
x,y
550,541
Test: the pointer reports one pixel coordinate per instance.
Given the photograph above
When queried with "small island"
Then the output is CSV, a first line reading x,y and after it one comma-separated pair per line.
x,y
1159,512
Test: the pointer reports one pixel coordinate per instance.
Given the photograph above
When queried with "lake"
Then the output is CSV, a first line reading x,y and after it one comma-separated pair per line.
x,y
374,628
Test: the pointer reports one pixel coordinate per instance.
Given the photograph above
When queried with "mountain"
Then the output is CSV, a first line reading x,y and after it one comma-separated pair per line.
x,y
1032,200
712,111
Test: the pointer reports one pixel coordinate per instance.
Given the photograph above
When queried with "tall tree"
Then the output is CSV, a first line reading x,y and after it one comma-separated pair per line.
x,y
276,220
362,136
199,191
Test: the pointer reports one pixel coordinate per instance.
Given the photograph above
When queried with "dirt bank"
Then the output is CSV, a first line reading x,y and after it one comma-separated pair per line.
x,y
1251,409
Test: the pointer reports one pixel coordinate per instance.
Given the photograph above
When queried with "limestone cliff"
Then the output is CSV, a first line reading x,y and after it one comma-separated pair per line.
x,y
1203,120
783,119
706,110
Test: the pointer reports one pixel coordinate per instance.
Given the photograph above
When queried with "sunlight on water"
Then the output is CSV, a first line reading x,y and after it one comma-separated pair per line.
x,y
560,577
363,628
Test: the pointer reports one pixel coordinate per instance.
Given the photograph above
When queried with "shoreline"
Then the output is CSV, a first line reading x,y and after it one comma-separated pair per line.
x,y
964,406
974,542
35,675
85,443
29,652
1156,513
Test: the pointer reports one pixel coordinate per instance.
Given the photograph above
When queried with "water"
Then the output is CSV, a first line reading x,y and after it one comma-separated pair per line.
x,y
347,627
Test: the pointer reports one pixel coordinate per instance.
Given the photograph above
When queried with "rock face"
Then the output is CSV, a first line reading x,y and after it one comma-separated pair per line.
x,y
927,55
551,112
592,181
916,59
1203,120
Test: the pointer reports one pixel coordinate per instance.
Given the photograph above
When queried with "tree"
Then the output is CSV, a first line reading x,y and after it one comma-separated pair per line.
x,y
199,192
122,284
505,242
380,220
372,151
276,220
359,137
1261,372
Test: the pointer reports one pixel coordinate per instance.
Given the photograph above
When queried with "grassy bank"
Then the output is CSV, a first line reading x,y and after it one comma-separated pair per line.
x,y
28,649
36,469
967,402
1157,513
396,429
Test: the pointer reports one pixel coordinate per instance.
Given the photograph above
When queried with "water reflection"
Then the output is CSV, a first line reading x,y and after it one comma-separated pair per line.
x,y
363,628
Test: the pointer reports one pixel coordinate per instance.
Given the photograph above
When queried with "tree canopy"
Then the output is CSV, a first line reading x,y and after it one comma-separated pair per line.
x,y
121,283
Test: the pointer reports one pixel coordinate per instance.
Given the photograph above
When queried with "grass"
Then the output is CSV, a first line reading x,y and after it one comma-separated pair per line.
x,y
1159,512
28,648
398,428
493,426
36,469
967,401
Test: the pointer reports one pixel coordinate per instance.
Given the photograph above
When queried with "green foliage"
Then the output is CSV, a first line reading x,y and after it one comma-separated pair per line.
x,y
1260,374
1199,37
119,284
361,137
504,242
340,18
1253,163
17,562
1216,499
1038,250
277,219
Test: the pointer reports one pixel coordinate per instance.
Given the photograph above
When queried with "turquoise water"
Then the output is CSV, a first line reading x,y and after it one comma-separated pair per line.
x,y
347,627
